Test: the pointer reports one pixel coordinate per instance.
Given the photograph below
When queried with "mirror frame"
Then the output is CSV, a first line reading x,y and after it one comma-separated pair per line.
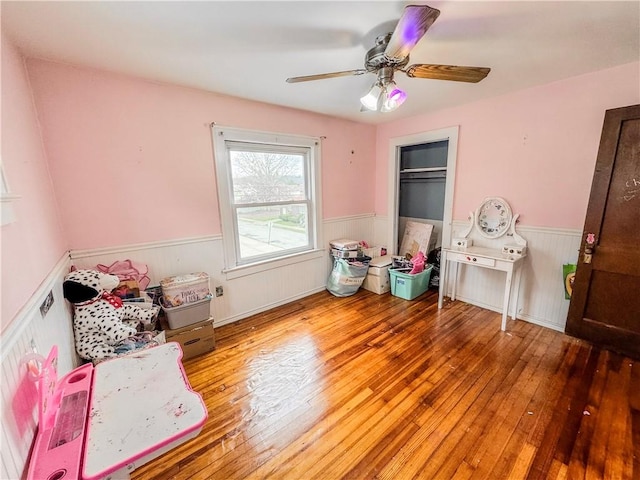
x,y
502,206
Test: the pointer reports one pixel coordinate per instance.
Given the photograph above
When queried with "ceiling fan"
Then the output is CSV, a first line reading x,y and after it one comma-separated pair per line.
x,y
391,54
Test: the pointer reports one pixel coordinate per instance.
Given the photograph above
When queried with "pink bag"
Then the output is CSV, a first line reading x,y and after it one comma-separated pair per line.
x,y
128,270
418,264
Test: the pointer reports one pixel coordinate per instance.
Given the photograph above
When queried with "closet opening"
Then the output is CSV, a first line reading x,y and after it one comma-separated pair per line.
x,y
422,186
421,181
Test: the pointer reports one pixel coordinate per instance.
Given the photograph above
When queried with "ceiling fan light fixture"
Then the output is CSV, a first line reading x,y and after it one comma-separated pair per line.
x,y
371,99
393,100
391,54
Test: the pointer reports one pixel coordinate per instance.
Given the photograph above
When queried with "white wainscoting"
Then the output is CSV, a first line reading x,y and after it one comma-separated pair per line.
x,y
541,300
27,332
381,232
245,295
358,227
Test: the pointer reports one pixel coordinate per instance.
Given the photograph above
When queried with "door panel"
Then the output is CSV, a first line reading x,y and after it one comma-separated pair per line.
x,y
605,305
623,202
613,289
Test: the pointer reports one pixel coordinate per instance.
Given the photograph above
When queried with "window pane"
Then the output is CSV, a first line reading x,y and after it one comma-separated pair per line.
x,y
265,177
263,231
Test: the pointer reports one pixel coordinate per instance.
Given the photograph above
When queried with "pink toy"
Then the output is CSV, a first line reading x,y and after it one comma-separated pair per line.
x,y
109,419
418,263
128,270
62,414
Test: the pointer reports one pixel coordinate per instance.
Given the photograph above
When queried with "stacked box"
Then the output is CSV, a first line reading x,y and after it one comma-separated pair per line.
x,y
195,339
188,314
345,253
377,279
344,244
186,299
182,289
374,251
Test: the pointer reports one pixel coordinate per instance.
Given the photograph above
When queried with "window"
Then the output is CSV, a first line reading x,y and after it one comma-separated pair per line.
x,y
268,189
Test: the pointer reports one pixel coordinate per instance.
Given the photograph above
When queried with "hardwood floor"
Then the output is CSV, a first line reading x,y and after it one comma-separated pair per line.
x,y
377,387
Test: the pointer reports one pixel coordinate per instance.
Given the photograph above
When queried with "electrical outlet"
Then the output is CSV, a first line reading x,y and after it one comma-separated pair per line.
x,y
219,291
46,304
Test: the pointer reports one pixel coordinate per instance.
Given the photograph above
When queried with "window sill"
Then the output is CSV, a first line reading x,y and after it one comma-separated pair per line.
x,y
7,214
244,270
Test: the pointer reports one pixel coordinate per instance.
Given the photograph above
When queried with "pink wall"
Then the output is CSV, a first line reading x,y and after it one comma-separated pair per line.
x,y
132,161
33,244
536,148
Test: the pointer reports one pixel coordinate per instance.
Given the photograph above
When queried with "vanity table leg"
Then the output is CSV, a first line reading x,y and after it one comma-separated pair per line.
x,y
455,280
442,290
507,293
516,294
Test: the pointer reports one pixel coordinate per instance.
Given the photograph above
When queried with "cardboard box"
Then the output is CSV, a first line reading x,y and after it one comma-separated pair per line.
x,y
127,289
377,284
377,279
194,339
374,252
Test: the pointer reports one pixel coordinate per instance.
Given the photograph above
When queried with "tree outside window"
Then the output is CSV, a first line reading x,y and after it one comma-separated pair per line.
x,y
269,202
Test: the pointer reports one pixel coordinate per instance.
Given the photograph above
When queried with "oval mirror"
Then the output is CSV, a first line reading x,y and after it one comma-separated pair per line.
x,y
493,217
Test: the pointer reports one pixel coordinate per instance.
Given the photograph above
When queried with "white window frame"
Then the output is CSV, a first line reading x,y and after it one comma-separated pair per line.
x,y
7,214
222,138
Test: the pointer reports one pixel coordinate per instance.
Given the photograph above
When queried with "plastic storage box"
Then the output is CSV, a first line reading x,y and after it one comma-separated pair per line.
x,y
188,314
182,289
408,286
344,244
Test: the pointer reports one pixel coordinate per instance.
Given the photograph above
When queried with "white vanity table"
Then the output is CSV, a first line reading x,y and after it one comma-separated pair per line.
x,y
492,220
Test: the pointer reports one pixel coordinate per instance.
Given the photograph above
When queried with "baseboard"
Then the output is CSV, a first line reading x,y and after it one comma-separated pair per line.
x,y
519,316
264,308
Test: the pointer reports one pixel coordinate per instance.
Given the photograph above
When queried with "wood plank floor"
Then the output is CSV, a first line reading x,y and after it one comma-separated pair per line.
x,y
377,387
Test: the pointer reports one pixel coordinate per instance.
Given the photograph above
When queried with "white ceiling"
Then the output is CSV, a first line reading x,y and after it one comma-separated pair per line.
x,y
248,49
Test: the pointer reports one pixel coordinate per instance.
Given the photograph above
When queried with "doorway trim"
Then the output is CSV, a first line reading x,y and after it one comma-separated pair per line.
x,y
450,134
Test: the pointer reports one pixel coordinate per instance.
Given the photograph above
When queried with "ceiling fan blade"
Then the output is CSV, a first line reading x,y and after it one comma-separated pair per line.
x,y
414,23
447,72
321,76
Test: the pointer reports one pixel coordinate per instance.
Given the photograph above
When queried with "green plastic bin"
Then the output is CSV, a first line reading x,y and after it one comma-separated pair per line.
x,y
408,286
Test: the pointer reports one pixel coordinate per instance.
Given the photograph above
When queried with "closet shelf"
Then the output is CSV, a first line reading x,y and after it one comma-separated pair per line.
x,y
421,170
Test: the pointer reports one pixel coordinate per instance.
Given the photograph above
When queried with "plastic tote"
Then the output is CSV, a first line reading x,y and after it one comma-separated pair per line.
x,y
181,289
188,313
347,275
408,286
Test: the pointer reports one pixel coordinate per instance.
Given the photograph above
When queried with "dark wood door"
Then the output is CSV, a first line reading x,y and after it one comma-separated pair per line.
x,y
605,304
